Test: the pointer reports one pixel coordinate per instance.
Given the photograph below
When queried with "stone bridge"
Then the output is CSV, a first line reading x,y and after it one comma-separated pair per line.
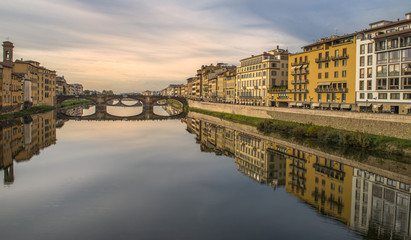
x,y
102,101
148,102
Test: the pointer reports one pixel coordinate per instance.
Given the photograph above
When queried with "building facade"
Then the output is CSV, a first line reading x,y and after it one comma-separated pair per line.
x,y
256,75
384,67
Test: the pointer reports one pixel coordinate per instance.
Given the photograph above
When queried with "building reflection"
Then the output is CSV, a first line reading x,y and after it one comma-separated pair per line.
x,y
374,202
22,139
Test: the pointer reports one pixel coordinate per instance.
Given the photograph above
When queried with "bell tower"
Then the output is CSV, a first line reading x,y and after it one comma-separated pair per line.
x,y
8,52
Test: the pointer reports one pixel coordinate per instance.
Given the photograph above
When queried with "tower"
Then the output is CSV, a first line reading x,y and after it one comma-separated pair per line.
x,y
8,52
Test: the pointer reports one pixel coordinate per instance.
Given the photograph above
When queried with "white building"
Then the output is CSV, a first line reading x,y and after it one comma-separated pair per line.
x,y
383,71
257,74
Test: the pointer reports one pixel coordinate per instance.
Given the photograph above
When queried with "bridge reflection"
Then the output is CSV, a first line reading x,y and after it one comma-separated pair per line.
x,y
101,114
371,197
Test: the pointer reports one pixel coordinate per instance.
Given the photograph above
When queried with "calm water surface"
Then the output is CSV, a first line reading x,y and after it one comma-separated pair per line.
x,y
183,179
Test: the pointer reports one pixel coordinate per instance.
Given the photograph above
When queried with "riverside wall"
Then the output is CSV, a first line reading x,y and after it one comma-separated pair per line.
x,y
390,125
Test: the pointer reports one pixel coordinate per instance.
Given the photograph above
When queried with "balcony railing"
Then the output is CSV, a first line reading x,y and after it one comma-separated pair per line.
x,y
299,91
250,97
303,81
344,56
300,72
405,44
324,59
299,63
331,90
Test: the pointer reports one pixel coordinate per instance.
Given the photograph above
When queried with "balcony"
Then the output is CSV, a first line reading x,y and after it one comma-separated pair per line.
x,y
331,90
303,81
279,90
324,59
299,63
299,72
344,56
405,44
299,91
250,97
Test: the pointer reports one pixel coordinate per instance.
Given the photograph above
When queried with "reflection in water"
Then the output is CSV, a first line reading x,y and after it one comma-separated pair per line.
x,y
21,140
372,201
124,111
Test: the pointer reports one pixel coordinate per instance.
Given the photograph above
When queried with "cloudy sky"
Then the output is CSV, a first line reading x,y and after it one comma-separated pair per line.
x,y
134,45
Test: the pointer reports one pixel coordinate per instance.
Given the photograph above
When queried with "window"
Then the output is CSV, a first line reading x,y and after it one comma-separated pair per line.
x,y
361,72
369,47
406,54
369,60
362,61
394,83
369,85
381,71
394,70
326,75
407,96
344,73
382,95
362,95
328,97
394,96
343,97
326,65
406,83
274,73
319,75
319,66
336,63
369,72
336,74
382,84
319,97
369,96
362,49
361,85
394,56
406,69
344,62
382,58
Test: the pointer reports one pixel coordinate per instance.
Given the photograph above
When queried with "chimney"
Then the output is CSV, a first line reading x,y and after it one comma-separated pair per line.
x,y
408,16
8,52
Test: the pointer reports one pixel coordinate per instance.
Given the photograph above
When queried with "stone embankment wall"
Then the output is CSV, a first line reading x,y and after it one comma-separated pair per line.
x,y
381,124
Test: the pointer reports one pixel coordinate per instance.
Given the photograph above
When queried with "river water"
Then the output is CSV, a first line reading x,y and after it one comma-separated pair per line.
x,y
191,178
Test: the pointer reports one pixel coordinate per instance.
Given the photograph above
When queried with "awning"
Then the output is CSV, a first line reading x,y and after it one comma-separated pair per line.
x,y
323,83
325,105
299,104
315,105
345,106
364,104
377,105
292,68
305,66
335,105
292,104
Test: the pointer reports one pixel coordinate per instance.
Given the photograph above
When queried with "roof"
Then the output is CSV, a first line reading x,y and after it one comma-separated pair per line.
x,y
392,34
387,25
331,39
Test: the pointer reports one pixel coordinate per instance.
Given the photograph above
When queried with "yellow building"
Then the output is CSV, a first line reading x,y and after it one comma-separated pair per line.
x,y
226,86
43,81
322,76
